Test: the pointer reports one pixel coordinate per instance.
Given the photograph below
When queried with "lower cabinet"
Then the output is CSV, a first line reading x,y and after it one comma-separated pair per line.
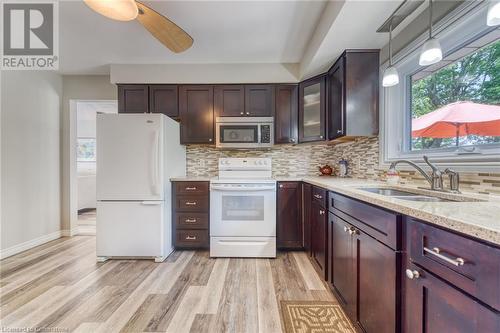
x,y
289,216
306,215
319,238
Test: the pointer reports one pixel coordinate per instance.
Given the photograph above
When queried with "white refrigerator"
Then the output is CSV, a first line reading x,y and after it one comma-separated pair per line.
x,y
137,154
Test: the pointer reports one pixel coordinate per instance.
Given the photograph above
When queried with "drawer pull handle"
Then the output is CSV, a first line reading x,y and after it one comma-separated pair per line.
x,y
321,212
191,188
191,203
190,220
317,196
346,228
190,237
353,231
437,253
412,274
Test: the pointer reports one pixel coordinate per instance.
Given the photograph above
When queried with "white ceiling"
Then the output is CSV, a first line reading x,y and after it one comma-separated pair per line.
x,y
224,32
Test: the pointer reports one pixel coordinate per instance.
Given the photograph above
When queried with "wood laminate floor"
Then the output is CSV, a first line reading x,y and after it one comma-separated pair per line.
x,y
60,286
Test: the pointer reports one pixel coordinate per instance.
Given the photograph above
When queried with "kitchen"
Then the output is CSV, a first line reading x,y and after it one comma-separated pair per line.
x,y
348,192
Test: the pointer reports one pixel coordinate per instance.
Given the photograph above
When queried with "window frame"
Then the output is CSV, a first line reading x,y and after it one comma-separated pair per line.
x,y
462,25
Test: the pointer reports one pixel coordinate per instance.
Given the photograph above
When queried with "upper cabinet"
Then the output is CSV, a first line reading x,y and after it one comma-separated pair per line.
x,y
229,100
196,110
312,109
353,99
259,100
286,116
163,99
133,98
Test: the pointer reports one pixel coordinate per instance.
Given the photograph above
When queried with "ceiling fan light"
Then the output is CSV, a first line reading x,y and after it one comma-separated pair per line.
x,y
391,77
120,10
493,17
431,53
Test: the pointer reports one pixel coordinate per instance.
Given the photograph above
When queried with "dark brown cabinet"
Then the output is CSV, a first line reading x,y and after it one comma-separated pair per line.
x,y
133,98
286,114
319,235
259,100
306,215
289,213
312,109
434,306
196,113
163,98
229,100
353,98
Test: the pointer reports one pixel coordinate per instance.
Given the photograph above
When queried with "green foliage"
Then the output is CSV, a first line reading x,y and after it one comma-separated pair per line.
x,y
475,78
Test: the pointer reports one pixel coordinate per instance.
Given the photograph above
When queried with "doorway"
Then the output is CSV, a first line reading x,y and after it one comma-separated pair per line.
x,y
85,113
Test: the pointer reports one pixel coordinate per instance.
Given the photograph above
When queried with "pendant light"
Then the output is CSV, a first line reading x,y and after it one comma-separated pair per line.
x,y
120,10
431,51
493,17
391,76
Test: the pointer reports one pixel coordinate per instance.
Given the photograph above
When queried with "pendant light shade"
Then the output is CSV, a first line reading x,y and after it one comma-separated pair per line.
x,y
391,77
120,10
431,51
493,17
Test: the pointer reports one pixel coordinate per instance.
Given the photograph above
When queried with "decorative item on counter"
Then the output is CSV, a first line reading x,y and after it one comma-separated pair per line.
x,y
326,170
392,177
343,164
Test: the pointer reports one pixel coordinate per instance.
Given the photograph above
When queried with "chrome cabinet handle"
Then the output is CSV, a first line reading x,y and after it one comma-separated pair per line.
x,y
190,220
242,113
412,274
189,203
191,188
321,136
437,253
353,231
339,131
248,113
281,185
317,196
346,228
321,212
190,237
210,140
292,140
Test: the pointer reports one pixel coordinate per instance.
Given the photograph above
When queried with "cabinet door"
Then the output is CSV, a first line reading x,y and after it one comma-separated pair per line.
x,y
376,272
133,98
319,238
196,113
229,101
336,111
286,117
289,215
306,215
344,272
434,306
312,110
163,99
259,100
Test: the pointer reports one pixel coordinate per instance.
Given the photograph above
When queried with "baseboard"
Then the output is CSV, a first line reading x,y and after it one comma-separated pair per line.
x,y
30,244
86,230
69,232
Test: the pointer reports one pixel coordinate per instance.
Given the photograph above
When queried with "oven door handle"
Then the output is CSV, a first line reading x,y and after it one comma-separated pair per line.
x,y
240,189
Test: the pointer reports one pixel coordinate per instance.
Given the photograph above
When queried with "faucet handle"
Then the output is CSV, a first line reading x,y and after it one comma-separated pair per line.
x,y
433,167
454,179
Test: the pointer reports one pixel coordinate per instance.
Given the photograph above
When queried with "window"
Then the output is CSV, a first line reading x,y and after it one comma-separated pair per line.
x,y
415,117
86,150
456,103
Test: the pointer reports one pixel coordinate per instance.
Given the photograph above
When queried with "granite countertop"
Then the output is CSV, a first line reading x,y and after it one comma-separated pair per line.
x,y
477,218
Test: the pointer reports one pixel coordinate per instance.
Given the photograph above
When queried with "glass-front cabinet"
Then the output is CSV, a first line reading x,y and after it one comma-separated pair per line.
x,y
312,111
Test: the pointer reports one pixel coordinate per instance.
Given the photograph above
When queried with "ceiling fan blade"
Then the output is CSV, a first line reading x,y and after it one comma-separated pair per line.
x,y
166,31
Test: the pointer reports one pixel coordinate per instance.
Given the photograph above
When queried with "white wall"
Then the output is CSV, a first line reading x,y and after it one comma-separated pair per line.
x,y
77,87
30,163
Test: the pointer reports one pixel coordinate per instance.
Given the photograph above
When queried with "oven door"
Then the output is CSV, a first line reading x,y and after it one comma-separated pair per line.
x,y
243,210
237,135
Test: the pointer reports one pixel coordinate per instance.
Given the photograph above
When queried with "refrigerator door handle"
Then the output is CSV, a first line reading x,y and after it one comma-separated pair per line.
x,y
154,163
157,161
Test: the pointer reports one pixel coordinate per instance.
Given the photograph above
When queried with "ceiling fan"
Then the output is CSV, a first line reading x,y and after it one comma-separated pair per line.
x,y
166,31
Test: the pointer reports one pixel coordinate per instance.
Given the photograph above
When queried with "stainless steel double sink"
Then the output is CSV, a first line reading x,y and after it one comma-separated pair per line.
x,y
404,195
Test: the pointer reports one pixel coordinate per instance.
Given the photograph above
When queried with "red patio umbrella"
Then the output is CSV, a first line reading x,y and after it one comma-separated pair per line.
x,y
458,119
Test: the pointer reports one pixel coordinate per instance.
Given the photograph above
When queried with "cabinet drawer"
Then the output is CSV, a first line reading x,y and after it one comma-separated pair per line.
x,y
192,203
319,195
191,238
191,188
468,264
378,223
191,220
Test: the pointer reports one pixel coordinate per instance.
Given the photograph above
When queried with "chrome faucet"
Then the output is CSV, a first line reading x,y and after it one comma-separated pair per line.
x,y
435,179
454,178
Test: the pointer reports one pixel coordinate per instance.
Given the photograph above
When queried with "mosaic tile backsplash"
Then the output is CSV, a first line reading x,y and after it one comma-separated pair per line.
x,y
304,160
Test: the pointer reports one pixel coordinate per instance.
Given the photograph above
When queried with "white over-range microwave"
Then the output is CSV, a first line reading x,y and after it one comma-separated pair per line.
x,y
244,132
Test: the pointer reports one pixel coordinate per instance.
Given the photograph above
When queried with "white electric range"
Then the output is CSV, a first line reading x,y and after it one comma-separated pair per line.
x,y
243,209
